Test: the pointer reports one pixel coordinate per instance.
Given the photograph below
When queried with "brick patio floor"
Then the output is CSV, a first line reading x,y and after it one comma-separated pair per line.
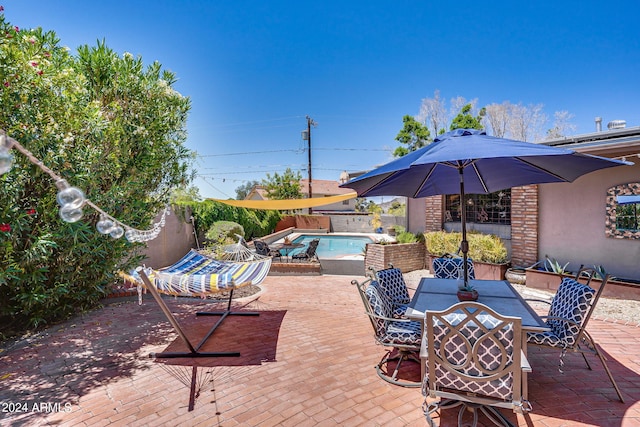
x,y
307,360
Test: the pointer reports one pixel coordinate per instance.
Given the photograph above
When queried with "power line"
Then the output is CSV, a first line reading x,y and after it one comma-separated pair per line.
x,y
246,152
297,150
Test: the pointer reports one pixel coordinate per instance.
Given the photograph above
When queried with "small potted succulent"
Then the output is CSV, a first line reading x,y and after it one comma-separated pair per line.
x,y
467,293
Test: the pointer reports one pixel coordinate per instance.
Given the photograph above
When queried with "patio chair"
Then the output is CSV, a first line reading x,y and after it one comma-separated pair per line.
x,y
393,285
309,254
449,267
569,312
402,336
474,361
262,248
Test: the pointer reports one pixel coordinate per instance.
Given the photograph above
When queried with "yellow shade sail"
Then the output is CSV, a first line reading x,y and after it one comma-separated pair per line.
x,y
289,204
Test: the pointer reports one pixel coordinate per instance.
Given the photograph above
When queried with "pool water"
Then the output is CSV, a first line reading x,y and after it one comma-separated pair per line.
x,y
334,246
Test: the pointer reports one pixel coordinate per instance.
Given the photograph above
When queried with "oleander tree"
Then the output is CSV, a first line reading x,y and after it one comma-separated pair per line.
x,y
108,124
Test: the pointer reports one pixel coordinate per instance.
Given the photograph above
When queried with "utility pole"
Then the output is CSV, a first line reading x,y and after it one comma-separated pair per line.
x,y
307,137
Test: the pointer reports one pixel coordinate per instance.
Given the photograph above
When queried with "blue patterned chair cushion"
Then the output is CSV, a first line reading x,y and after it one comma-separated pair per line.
x,y
388,331
393,285
571,302
457,348
451,268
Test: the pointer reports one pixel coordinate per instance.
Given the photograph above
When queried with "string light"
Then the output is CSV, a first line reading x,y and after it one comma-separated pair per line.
x,y
71,199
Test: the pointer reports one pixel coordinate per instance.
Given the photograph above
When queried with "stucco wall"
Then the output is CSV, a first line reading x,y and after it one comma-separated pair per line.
x,y
416,215
572,223
175,239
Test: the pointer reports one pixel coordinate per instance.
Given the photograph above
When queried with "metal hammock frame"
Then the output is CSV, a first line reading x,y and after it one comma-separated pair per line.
x,y
197,274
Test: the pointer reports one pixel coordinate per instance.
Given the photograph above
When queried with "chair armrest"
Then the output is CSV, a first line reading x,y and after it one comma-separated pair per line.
x,y
537,300
390,319
424,351
524,362
562,319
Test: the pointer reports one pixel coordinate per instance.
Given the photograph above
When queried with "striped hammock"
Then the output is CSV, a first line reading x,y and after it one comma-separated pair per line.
x,y
198,274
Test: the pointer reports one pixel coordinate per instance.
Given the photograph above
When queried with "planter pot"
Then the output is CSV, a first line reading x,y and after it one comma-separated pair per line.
x,y
517,276
541,279
467,295
549,281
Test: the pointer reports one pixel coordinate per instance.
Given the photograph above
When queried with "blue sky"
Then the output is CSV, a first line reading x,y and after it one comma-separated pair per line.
x,y
255,70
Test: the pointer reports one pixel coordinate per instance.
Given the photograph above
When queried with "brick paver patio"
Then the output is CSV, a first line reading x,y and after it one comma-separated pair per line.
x,y
307,360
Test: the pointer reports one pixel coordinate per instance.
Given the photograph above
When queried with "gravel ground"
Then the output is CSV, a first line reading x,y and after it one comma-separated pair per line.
x,y
610,309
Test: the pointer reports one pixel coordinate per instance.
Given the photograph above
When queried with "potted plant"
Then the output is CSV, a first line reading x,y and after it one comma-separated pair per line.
x,y
546,274
488,252
467,293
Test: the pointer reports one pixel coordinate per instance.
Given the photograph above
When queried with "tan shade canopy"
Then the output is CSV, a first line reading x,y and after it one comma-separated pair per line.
x,y
289,204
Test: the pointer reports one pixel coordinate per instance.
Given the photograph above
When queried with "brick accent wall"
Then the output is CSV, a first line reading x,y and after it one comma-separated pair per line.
x,y
434,217
405,256
524,225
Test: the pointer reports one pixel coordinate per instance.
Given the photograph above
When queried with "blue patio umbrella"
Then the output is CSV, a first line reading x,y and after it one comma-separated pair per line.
x,y
472,162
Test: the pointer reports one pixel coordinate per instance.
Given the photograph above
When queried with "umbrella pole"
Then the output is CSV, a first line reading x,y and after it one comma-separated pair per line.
x,y
464,246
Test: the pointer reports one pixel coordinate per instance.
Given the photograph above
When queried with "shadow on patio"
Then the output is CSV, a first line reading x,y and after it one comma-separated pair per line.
x,y
321,370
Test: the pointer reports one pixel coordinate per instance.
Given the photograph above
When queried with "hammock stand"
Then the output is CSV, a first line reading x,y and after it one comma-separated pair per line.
x,y
195,261
194,351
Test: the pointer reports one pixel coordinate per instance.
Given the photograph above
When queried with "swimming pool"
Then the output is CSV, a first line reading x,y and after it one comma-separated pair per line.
x,y
335,245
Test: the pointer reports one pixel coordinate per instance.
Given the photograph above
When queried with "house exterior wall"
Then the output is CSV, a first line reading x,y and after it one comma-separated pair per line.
x,y
347,205
416,215
572,223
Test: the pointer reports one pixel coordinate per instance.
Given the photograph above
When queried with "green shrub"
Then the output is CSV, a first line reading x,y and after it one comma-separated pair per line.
x,y
482,247
255,223
107,124
223,232
406,237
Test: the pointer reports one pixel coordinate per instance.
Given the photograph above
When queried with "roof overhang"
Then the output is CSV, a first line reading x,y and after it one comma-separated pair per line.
x,y
612,143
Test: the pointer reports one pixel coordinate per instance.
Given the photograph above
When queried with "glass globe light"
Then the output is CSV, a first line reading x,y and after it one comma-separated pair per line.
x,y
131,235
6,160
116,232
105,225
69,213
69,195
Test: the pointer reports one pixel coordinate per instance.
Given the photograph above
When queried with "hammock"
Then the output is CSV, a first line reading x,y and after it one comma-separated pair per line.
x,y
196,274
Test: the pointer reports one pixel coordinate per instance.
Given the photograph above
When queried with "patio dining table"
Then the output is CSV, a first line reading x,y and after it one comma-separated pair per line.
x,y
287,248
436,294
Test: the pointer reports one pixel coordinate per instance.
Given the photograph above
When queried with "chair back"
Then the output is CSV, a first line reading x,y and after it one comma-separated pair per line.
x,y
393,285
261,247
313,246
472,350
375,305
575,302
450,267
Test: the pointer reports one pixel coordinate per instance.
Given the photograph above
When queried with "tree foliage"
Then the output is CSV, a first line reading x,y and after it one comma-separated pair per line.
x,y
433,113
283,187
108,125
242,191
413,135
255,223
465,119
504,120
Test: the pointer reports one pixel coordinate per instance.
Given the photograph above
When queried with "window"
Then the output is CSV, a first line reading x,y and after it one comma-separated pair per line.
x,y
627,216
623,211
493,208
